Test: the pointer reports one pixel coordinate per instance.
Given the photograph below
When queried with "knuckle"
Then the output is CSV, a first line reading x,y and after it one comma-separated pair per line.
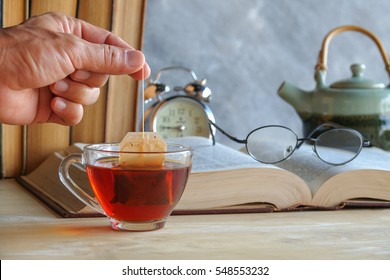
x,y
112,58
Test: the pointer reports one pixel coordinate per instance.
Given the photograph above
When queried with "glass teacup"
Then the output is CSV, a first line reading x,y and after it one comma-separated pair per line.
x,y
135,198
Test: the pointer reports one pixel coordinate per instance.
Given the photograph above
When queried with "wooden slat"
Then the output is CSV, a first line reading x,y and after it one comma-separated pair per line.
x,y
12,150
14,12
128,22
42,6
91,128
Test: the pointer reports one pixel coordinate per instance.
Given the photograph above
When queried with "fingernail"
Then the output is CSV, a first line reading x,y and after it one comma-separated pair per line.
x,y
134,58
146,70
61,86
82,75
59,104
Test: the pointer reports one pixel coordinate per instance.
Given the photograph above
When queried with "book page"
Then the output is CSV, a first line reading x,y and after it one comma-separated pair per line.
x,y
219,157
306,164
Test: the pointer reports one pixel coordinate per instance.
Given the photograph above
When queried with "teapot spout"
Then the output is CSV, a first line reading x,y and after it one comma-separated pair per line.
x,y
297,98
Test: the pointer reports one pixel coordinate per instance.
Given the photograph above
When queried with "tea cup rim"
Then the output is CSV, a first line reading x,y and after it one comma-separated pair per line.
x,y
180,148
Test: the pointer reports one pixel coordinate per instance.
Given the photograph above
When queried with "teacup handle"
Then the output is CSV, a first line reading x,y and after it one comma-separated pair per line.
x,y
323,55
72,186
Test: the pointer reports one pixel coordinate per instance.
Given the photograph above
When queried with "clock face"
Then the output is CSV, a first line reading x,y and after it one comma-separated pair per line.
x,y
181,116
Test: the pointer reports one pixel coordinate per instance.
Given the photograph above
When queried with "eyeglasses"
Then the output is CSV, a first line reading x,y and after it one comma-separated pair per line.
x,y
332,143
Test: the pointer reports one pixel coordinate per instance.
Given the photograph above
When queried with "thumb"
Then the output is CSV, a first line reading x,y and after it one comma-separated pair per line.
x,y
109,59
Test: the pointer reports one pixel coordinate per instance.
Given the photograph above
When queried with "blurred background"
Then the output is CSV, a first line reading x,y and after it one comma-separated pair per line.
x,y
246,49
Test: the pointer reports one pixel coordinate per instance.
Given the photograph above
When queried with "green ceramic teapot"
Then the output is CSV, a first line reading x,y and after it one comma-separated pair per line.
x,y
356,102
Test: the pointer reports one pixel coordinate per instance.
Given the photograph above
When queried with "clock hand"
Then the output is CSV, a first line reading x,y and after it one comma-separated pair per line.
x,y
179,127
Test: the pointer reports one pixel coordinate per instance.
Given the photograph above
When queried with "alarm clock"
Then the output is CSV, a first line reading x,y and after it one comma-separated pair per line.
x,y
182,111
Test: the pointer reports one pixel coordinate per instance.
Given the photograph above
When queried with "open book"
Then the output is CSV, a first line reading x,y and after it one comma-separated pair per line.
x,y
224,180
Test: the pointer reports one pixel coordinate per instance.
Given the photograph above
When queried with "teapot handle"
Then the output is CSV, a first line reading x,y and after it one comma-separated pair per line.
x,y
322,57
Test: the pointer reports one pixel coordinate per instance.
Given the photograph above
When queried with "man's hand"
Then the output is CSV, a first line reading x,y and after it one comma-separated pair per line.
x,y
52,65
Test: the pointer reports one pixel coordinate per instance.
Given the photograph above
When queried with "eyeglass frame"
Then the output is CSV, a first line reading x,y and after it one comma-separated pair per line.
x,y
300,141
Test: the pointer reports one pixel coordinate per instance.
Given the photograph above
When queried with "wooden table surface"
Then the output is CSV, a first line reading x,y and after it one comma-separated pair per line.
x,y
30,230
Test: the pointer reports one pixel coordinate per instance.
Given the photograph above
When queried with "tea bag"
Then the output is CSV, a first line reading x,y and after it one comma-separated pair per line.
x,y
142,142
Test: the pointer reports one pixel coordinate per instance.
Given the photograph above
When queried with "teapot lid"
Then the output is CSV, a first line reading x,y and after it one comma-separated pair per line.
x,y
357,80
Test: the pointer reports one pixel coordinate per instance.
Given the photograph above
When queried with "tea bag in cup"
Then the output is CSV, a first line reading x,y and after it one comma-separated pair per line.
x,y
142,142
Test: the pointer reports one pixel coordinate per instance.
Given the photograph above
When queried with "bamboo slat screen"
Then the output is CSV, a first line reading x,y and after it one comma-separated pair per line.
x,y
23,148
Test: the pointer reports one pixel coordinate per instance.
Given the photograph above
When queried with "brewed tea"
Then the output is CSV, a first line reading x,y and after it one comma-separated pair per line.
x,y
137,195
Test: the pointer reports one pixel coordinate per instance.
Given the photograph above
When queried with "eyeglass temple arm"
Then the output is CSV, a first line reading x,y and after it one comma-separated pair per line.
x,y
331,124
309,137
226,134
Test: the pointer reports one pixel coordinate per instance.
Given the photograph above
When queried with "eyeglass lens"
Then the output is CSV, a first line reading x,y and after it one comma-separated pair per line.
x,y
271,144
338,146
